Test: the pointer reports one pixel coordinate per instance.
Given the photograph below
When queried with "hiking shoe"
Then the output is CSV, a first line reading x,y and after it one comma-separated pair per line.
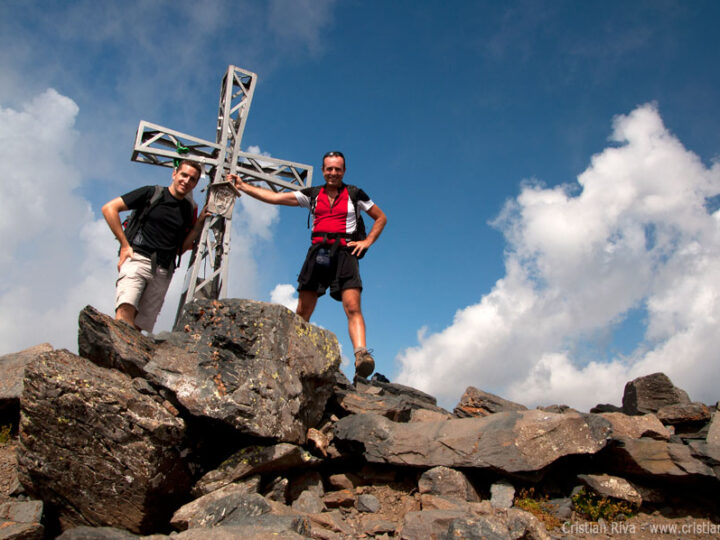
x,y
364,363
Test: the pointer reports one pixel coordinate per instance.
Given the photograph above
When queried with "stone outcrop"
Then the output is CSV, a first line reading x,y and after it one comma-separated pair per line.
x,y
22,520
612,486
240,425
650,393
12,367
256,367
475,402
97,449
508,442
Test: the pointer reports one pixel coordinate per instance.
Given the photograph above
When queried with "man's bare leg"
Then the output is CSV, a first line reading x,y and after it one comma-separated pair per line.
x,y
356,322
306,304
126,313
364,362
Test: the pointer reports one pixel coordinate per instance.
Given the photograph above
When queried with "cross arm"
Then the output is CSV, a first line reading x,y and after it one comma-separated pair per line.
x,y
158,145
277,174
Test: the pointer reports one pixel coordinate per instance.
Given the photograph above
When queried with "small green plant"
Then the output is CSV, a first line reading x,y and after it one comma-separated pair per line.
x,y
538,506
5,432
593,507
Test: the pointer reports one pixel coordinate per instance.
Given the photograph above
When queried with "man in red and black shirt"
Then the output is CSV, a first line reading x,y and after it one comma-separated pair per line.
x,y
332,260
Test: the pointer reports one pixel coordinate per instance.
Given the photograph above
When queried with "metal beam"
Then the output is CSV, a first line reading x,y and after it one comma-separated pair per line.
x,y
207,274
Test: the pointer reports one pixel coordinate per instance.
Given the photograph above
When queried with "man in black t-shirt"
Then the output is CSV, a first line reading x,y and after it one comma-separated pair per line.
x,y
147,260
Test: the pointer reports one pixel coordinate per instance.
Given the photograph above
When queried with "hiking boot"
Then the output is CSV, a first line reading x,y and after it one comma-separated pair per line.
x,y
364,363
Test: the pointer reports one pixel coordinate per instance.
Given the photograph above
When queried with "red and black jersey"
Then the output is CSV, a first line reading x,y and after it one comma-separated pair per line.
x,y
338,218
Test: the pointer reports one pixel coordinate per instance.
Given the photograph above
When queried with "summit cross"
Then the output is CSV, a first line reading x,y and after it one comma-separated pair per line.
x,y
207,272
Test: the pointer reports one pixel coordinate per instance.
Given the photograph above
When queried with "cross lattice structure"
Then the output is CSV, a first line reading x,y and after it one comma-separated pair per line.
x,y
207,274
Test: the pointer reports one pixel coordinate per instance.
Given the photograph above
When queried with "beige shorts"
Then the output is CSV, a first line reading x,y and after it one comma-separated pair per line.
x,y
137,286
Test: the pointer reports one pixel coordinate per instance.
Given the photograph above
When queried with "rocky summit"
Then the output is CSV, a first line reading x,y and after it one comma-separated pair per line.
x,y
241,425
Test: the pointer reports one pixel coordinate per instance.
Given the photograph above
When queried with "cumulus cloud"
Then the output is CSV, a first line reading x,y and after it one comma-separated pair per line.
x,y
634,233
284,294
55,256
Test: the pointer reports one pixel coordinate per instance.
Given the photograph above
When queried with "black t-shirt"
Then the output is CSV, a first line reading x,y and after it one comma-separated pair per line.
x,y
165,227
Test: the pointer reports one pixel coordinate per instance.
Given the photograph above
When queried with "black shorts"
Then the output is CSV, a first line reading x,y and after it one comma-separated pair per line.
x,y
342,273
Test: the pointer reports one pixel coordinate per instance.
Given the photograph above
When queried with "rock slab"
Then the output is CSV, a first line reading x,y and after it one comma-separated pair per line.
x,y
257,367
509,442
96,449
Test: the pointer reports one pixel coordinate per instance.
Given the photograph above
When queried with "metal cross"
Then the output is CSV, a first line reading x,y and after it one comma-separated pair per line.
x,y
157,145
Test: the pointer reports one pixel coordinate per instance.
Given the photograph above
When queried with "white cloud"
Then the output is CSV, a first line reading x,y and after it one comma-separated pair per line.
x,y
54,257
284,294
633,232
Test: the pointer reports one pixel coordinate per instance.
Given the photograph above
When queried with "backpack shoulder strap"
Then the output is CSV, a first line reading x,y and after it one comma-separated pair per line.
x,y
313,193
353,191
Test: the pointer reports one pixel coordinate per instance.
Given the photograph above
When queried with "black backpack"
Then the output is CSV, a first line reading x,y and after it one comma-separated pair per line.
x,y
353,192
135,220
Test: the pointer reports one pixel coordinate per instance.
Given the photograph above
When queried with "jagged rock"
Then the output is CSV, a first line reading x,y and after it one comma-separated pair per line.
x,y
635,427
436,502
683,413
97,450
266,526
612,486
559,409
12,373
330,525
254,460
195,513
112,344
375,527
512,524
336,499
446,482
502,494
713,435
97,533
319,439
277,490
659,459
368,503
605,408
509,442
477,528
649,393
428,523
475,402
394,401
344,481
306,481
308,502
228,507
709,454
424,415
256,367
21,520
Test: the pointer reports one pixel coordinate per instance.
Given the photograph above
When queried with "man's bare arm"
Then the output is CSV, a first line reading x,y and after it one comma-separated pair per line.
x,y
377,228
111,211
286,198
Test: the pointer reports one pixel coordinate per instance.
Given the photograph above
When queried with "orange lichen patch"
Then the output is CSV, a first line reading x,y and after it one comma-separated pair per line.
x,y
219,384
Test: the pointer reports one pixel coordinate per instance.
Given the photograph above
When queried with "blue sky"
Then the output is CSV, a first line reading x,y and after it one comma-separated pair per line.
x,y
544,167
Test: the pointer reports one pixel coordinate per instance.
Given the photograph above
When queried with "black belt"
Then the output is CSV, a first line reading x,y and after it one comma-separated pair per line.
x,y
336,237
